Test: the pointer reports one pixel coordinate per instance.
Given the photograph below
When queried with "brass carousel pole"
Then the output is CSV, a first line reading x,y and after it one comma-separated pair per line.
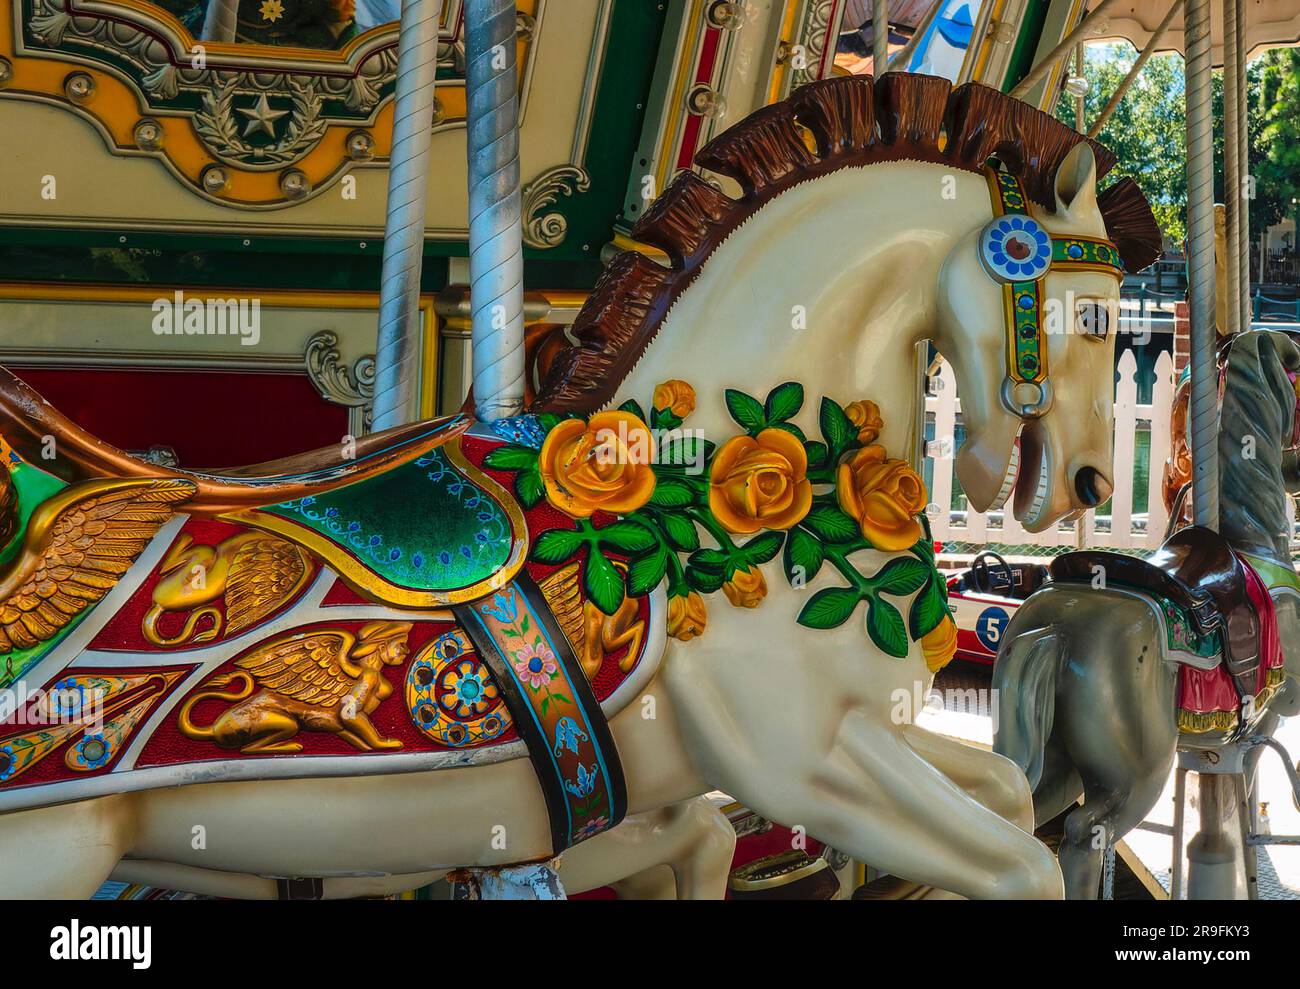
x,y
401,336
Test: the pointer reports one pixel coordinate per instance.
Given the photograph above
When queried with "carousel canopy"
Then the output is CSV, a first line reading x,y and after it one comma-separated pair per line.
x,y
1269,24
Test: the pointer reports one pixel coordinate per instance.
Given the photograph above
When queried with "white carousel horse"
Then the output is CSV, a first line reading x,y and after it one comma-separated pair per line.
x,y
857,236
683,851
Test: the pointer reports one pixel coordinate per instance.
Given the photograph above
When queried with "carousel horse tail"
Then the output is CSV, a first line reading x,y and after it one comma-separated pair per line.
x,y
1024,679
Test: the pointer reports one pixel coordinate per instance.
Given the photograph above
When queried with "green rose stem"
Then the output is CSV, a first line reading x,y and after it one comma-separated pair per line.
x,y
677,586
839,555
715,530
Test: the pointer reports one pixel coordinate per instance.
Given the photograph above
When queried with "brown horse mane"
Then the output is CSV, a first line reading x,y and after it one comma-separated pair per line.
x,y
823,127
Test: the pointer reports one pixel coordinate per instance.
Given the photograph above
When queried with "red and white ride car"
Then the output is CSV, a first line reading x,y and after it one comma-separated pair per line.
x,y
984,597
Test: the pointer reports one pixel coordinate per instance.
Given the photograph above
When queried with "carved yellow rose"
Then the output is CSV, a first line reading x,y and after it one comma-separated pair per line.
x,y
760,482
603,464
940,645
746,588
865,416
686,617
884,497
676,396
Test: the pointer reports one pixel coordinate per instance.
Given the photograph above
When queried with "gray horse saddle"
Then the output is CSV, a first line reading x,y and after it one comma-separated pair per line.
x,y
1197,570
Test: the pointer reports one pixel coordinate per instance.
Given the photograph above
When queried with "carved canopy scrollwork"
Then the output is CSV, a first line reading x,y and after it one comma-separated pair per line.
x,y
223,116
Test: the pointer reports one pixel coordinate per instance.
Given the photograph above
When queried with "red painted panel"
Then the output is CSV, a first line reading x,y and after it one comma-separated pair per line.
x,y
210,418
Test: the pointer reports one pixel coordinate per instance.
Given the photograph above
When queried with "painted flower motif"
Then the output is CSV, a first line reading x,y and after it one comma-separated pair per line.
x,y
603,464
940,645
760,482
676,396
883,496
1017,248
469,691
8,762
865,416
93,751
592,827
67,698
536,665
746,588
687,616
504,607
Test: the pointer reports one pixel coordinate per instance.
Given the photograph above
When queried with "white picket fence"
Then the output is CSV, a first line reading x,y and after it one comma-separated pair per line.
x,y
1121,529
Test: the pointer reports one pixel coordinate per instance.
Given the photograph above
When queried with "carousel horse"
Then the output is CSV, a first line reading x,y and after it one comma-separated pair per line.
x,y
1118,663
409,693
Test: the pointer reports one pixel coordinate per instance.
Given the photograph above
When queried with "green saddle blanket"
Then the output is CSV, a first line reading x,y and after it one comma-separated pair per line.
x,y
432,532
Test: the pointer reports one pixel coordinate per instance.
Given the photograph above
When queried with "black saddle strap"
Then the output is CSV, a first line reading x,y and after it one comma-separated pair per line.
x,y
553,709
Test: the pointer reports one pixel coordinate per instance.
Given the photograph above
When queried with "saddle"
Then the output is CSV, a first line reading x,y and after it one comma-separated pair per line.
x,y
26,419
1197,570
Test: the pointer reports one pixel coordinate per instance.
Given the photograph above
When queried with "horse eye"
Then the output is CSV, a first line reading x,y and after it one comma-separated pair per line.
x,y
1092,320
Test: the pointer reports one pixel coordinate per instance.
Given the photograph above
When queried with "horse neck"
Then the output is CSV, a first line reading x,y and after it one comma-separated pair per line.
x,y
829,284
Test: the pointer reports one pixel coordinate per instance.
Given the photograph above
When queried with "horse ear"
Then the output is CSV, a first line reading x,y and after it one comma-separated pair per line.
x,y
1076,181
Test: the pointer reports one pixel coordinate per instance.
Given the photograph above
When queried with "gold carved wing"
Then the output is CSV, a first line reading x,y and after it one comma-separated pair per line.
x,y
78,545
263,575
308,668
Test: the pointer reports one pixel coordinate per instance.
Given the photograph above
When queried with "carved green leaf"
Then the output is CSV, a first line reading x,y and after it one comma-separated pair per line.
x,y
672,493
886,628
706,581
510,457
829,608
603,582
803,556
928,609
644,574
628,537
836,428
763,547
783,401
681,532
556,546
832,524
686,451
528,486
902,576
746,410
631,405
709,559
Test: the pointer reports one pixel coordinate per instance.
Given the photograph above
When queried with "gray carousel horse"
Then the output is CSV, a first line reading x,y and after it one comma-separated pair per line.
x,y
1114,666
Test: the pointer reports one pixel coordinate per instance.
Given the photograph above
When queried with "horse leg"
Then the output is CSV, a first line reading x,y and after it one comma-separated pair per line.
x,y
875,798
692,838
1059,786
994,780
64,852
1124,762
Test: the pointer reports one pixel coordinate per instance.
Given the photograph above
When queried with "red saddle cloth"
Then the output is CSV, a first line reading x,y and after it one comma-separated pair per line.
x,y
1207,699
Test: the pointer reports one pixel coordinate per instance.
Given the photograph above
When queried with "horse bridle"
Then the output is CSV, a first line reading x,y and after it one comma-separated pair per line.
x,y
1017,252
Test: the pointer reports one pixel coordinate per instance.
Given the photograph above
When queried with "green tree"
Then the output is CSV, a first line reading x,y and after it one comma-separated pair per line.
x,y
1147,131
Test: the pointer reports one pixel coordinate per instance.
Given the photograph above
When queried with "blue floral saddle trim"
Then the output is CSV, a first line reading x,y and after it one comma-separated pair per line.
x,y
431,532
553,709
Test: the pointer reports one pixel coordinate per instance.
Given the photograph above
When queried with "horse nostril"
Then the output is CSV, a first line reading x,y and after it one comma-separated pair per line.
x,y
1091,487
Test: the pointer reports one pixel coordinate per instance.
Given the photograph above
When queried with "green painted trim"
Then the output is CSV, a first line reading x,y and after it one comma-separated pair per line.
x,y
1273,573
1031,33
627,78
